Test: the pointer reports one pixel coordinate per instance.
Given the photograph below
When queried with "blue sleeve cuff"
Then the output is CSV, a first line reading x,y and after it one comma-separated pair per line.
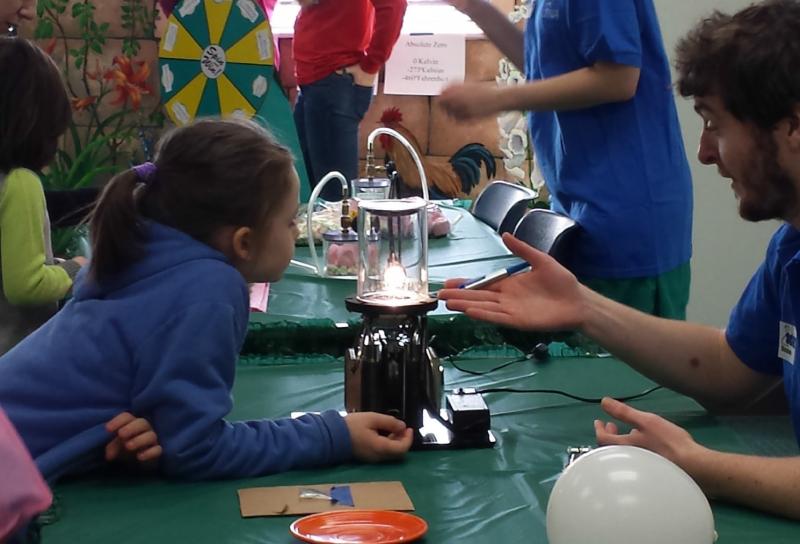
x,y
341,446
75,454
625,58
739,346
606,31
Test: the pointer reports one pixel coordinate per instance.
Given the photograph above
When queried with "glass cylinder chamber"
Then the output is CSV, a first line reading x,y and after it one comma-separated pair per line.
x,y
393,252
371,188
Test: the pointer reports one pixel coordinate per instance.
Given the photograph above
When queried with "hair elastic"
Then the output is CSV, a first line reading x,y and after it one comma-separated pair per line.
x,y
145,172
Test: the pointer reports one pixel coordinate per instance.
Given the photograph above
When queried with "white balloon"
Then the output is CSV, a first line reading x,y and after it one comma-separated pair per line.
x,y
627,495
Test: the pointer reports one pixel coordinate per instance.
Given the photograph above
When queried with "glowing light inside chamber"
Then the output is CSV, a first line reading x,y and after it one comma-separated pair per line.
x,y
394,279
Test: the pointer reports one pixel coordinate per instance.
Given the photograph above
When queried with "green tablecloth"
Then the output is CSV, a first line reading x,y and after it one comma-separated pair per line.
x,y
468,496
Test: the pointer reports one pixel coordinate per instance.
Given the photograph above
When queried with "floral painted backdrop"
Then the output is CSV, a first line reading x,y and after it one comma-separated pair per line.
x,y
106,81
105,51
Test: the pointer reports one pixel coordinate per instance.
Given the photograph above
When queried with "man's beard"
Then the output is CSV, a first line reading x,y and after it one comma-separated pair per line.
x,y
770,192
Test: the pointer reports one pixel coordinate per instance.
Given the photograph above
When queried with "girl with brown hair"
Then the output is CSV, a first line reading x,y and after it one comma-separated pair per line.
x,y
156,325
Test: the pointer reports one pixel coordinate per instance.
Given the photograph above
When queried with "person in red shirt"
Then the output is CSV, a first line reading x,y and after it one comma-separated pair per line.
x,y
338,49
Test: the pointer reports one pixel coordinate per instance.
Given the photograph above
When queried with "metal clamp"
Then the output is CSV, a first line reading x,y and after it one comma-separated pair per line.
x,y
573,452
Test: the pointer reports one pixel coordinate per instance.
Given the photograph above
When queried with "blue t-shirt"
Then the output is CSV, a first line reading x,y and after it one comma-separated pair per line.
x,y
620,169
762,330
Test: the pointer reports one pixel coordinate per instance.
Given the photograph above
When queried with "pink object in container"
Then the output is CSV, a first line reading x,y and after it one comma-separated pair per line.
x,y
438,223
342,259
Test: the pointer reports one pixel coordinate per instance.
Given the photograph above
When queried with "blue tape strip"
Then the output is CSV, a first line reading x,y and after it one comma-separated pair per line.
x,y
342,495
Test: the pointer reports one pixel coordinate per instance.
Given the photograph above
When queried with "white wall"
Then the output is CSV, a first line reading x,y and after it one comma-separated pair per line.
x,y
727,249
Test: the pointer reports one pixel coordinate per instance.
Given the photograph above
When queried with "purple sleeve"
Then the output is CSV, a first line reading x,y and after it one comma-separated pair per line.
x,y
269,7
167,6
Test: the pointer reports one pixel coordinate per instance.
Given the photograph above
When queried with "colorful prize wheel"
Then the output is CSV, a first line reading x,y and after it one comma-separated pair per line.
x,y
217,59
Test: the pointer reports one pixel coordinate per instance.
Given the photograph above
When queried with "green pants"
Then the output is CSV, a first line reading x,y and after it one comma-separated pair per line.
x,y
665,296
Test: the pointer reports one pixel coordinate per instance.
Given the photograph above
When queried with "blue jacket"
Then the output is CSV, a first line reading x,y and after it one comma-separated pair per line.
x,y
160,340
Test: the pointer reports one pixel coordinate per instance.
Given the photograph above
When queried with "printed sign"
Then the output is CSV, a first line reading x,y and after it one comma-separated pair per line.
x,y
425,64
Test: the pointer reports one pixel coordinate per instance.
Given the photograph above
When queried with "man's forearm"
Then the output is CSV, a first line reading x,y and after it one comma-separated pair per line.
x,y
771,484
497,27
689,358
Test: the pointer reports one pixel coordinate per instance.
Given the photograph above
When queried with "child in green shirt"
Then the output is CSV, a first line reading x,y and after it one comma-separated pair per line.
x,y
34,113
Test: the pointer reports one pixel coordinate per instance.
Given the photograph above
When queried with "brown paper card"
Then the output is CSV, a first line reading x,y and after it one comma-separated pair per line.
x,y
286,501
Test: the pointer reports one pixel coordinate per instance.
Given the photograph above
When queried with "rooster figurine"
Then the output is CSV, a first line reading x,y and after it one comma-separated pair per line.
x,y
452,180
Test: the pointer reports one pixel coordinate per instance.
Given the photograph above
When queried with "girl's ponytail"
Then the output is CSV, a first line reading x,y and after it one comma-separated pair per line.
x,y
211,174
117,238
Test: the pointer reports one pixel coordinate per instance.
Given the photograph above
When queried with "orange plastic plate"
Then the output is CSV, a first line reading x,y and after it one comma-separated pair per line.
x,y
354,526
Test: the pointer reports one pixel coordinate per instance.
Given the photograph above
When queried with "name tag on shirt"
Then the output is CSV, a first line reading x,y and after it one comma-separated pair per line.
x,y
787,342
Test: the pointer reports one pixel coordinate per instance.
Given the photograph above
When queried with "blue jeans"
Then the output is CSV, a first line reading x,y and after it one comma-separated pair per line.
x,y
327,114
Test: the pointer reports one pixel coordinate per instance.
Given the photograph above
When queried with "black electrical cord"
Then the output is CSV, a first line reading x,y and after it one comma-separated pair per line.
x,y
569,395
483,373
590,400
